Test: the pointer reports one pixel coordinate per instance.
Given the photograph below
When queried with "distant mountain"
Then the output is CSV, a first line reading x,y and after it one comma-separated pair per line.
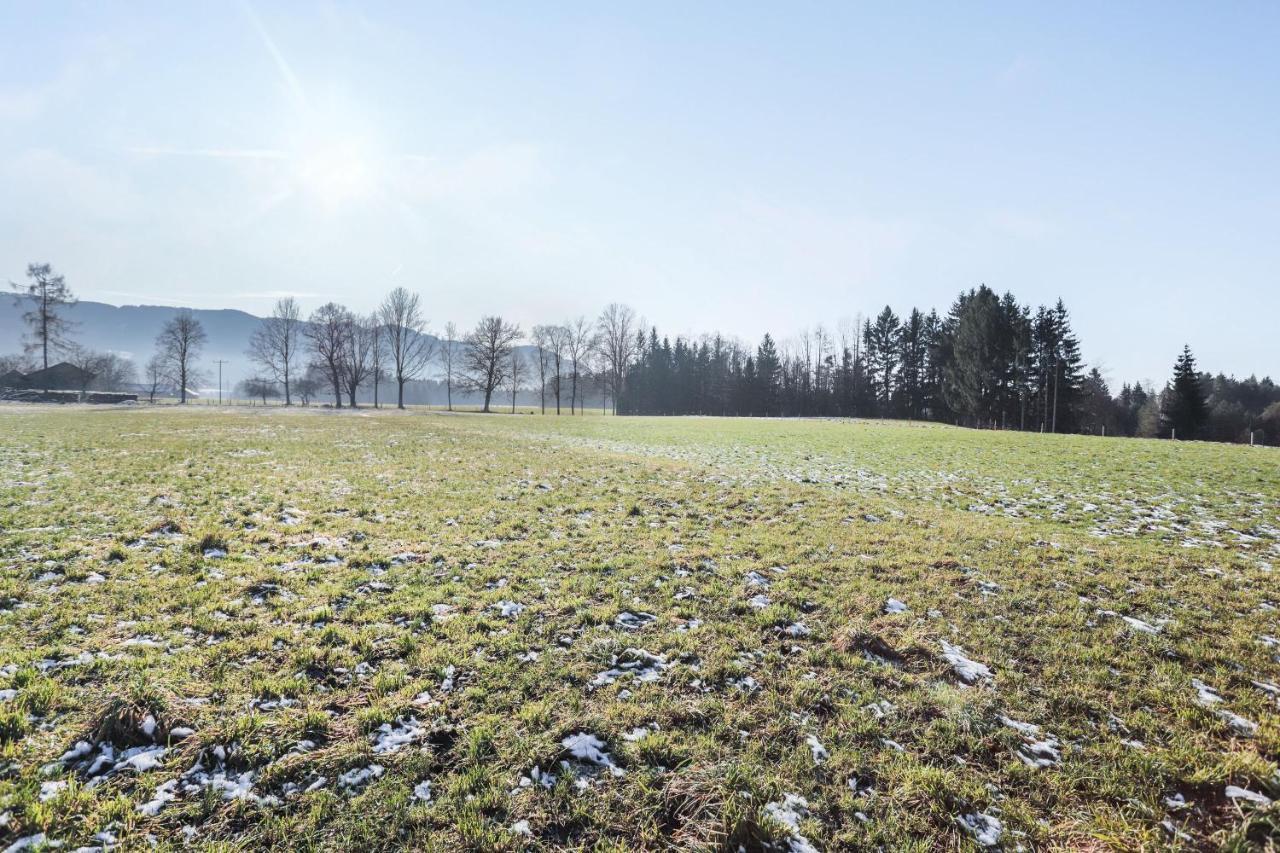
x,y
131,330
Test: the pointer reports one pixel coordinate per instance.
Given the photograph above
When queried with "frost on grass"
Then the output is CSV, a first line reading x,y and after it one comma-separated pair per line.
x,y
639,664
324,614
788,812
389,739
1210,698
1035,751
211,771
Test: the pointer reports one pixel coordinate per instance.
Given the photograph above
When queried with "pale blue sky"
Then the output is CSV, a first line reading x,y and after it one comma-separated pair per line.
x,y
730,166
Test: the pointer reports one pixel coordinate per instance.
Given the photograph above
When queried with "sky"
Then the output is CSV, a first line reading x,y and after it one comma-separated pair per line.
x,y
733,167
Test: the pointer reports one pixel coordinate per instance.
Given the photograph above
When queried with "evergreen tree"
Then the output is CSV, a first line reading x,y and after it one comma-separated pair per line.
x,y
48,294
768,375
1184,410
882,352
973,370
1069,376
913,345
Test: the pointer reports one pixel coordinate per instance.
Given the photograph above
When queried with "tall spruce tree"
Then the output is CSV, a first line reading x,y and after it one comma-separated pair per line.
x,y
881,342
768,374
1184,410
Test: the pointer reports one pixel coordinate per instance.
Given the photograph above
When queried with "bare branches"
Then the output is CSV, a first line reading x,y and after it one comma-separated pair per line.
x,y
358,353
617,345
487,354
580,344
408,344
326,334
179,344
275,344
449,355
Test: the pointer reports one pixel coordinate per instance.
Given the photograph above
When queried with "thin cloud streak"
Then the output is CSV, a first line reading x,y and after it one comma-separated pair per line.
x,y
291,80
217,153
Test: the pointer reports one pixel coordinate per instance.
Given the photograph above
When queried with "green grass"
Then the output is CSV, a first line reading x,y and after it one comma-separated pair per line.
x,y
369,556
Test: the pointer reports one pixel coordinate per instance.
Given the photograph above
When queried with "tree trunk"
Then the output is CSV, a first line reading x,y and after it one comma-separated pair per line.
x,y
399,393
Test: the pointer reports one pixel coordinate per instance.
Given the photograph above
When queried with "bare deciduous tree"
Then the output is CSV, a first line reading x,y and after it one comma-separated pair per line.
x,y
358,354
326,334
309,385
156,375
408,345
275,344
449,358
49,293
114,372
179,344
259,387
377,355
517,375
579,345
542,340
617,346
486,357
102,371
557,338
20,362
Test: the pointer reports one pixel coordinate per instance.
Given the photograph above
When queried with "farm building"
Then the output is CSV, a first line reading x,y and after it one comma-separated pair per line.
x,y
62,376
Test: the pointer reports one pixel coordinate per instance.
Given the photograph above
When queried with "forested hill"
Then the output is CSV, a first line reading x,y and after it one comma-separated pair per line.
x,y
130,331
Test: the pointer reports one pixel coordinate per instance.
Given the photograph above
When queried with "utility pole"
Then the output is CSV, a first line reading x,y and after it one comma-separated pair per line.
x,y
220,363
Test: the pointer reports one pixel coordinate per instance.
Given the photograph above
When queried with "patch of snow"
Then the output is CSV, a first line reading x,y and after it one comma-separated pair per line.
x,y
968,671
819,751
634,621
642,665
984,828
357,777
789,812
1237,793
389,739
588,748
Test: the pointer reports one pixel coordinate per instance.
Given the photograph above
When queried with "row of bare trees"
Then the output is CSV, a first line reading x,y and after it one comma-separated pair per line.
x,y
349,352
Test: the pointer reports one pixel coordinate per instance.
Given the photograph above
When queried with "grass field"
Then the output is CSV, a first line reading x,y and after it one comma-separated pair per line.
x,y
372,630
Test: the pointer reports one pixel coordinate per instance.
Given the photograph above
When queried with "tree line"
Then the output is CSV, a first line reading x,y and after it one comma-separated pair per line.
x,y
989,361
